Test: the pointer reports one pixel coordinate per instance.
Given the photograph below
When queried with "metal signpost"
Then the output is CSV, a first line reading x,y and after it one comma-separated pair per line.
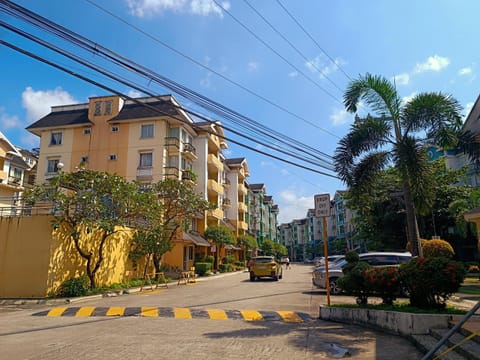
x,y
322,209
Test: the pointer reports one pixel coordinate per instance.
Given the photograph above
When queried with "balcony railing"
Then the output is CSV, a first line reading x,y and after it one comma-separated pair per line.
x,y
171,172
214,186
144,173
189,150
172,141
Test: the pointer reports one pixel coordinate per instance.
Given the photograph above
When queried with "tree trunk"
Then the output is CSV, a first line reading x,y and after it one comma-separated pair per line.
x,y
412,225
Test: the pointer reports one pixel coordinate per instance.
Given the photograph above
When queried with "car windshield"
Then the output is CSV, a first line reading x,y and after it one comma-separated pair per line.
x,y
263,259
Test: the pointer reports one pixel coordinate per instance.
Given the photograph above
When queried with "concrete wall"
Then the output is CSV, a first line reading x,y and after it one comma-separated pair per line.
x,y
35,259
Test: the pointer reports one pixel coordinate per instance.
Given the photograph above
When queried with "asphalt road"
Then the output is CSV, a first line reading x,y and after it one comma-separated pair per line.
x,y
184,335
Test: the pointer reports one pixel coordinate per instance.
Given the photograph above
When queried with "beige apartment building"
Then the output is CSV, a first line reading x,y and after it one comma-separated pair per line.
x,y
147,139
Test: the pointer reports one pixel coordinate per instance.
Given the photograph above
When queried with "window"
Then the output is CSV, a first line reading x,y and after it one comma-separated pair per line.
x,y
97,110
112,157
147,131
87,131
52,166
190,253
56,138
146,160
115,129
108,107
84,159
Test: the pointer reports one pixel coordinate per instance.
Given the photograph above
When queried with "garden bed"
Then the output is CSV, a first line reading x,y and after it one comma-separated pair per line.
x,y
395,322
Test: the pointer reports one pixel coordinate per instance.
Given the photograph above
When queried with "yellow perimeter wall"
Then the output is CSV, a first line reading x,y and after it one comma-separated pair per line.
x,y
35,260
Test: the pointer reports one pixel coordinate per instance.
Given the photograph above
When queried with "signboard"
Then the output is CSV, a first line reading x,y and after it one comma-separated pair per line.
x,y
213,248
322,205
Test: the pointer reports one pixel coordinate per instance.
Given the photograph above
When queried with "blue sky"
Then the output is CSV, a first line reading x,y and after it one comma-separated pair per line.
x,y
425,45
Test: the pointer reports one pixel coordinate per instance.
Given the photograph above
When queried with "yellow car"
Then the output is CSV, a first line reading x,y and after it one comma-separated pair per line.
x,y
265,266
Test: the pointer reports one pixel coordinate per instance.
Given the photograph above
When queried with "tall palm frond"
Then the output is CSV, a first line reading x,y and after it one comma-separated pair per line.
x,y
366,171
377,92
468,143
366,135
411,159
435,113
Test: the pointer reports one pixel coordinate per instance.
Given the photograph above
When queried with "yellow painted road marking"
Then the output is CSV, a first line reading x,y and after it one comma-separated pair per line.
x,y
290,316
115,311
149,292
85,311
149,311
182,313
251,315
56,311
217,314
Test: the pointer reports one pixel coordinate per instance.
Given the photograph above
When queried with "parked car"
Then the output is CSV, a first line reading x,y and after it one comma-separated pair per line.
x,y
331,259
265,266
374,259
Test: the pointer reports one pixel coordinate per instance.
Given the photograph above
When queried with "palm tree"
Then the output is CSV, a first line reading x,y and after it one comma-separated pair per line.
x,y
395,136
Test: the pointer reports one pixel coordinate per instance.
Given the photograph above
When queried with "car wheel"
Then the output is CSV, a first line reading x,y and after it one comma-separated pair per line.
x,y
252,278
281,275
334,289
275,278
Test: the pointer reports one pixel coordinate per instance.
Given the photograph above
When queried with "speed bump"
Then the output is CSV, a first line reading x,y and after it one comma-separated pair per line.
x,y
178,313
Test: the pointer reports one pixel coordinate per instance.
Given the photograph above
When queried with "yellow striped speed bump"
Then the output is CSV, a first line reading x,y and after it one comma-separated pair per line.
x,y
178,313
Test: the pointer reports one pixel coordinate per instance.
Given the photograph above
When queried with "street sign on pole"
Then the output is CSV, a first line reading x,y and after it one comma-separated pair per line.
x,y
322,205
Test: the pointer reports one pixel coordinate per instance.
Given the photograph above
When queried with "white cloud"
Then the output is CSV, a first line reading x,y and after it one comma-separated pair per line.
x,y
38,103
9,121
293,74
206,81
468,108
134,94
293,206
266,163
322,66
465,71
407,98
433,63
252,66
340,117
144,8
402,79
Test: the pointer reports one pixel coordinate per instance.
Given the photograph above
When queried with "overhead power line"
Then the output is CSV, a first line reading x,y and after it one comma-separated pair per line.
x,y
313,39
113,91
151,76
292,45
277,53
222,76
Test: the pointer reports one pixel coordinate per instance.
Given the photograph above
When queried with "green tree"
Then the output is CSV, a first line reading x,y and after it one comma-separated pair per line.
x,y
87,203
167,208
393,136
221,236
280,249
267,247
247,242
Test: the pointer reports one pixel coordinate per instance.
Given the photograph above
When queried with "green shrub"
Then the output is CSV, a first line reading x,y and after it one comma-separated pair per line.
x,y
431,281
202,268
385,283
199,257
437,248
239,265
74,287
210,259
354,281
229,259
225,268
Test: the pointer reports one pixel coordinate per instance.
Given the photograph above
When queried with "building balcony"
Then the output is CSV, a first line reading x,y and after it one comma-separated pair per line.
x,y
144,174
189,151
242,225
214,161
188,175
226,203
242,207
172,142
171,172
215,187
216,213
242,189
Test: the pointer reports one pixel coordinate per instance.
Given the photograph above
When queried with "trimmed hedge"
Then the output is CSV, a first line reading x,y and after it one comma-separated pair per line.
x,y
201,268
